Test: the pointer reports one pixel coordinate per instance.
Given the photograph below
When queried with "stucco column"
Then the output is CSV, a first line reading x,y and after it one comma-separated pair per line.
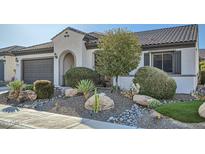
x,y
18,71
56,71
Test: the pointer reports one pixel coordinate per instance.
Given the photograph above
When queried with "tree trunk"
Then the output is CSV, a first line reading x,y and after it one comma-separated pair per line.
x,y
116,83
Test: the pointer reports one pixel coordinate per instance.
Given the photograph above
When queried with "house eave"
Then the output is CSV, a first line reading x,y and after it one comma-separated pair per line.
x,y
34,51
169,45
69,28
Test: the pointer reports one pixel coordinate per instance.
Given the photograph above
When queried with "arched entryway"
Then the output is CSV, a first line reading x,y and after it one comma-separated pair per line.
x,y
67,61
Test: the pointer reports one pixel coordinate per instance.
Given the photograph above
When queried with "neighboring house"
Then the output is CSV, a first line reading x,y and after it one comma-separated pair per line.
x,y
201,54
7,63
174,50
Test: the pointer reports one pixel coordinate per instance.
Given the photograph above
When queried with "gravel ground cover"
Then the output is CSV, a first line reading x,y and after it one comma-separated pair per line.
x,y
125,112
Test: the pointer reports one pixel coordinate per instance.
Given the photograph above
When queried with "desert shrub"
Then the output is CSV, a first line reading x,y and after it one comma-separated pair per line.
x,y
43,88
74,75
85,86
155,83
202,77
28,87
15,87
153,103
202,66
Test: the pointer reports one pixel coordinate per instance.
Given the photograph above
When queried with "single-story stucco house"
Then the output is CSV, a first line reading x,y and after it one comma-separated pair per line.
x,y
174,50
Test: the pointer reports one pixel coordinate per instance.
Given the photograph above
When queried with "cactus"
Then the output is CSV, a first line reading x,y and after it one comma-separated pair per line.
x,y
96,105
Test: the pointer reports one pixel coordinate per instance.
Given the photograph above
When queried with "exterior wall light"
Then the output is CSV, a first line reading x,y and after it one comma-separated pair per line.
x,y
17,60
55,55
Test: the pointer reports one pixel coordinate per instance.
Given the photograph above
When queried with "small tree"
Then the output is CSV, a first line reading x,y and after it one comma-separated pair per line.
x,y
119,53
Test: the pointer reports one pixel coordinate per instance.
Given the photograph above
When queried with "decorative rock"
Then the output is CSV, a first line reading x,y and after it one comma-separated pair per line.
x,y
106,102
155,114
142,99
71,92
27,95
202,110
10,109
13,95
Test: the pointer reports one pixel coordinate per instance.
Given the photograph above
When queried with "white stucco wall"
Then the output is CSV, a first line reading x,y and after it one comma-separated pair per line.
x,y
89,58
9,67
189,62
186,82
18,75
73,44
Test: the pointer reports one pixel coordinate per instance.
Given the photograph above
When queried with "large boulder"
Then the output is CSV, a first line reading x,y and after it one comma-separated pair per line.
x,y
142,99
13,95
71,92
106,102
202,110
27,95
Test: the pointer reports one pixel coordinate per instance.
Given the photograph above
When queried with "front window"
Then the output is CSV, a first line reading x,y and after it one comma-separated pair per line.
x,y
163,61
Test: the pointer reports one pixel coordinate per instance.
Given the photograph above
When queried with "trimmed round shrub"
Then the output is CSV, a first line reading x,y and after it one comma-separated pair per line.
x,y
74,75
155,83
43,88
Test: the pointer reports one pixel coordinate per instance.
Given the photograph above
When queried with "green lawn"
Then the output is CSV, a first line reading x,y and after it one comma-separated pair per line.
x,y
182,111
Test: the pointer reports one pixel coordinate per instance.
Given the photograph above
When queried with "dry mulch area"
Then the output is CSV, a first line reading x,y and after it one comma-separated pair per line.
x,y
74,106
125,111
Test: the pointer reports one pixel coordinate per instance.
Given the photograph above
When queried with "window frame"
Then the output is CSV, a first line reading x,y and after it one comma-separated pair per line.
x,y
162,54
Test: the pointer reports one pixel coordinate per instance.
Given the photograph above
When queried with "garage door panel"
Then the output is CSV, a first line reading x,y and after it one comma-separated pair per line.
x,y
38,69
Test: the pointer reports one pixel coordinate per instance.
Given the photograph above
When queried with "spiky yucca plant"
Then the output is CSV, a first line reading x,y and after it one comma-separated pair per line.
x,y
15,87
85,86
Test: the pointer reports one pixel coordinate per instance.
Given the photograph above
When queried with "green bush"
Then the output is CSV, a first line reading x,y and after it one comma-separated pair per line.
x,y
74,75
153,103
155,83
28,87
202,77
44,89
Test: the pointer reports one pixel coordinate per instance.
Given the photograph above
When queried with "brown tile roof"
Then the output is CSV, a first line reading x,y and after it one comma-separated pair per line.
x,y
8,50
152,38
173,35
162,37
39,48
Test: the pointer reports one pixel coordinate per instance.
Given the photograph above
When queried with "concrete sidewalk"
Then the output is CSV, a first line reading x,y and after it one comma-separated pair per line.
x,y
31,119
3,90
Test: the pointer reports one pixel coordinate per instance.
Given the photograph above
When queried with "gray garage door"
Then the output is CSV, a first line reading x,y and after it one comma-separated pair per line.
x,y
37,69
1,70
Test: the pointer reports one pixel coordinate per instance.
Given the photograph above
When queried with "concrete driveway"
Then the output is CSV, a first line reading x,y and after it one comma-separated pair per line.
x,y
3,90
31,119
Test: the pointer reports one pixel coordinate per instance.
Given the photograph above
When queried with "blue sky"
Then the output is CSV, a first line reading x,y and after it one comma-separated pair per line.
x,y
26,35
